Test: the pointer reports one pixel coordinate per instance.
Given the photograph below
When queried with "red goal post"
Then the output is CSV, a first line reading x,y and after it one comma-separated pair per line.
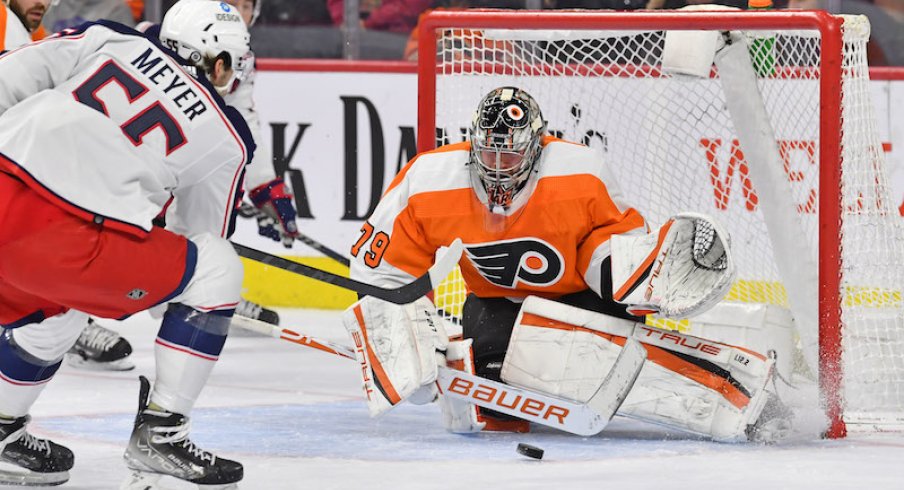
x,y
801,199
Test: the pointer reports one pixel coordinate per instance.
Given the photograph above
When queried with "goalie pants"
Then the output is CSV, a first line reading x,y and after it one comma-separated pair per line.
x,y
489,323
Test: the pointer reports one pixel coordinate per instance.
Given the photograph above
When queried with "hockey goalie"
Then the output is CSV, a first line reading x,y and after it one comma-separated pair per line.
x,y
561,272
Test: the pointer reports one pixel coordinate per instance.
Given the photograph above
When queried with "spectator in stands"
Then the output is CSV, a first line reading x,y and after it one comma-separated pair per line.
x,y
75,12
894,8
137,8
410,53
295,12
886,46
383,15
20,22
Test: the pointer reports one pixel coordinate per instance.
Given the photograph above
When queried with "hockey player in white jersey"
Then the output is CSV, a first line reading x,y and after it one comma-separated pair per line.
x,y
277,214
560,270
102,348
101,130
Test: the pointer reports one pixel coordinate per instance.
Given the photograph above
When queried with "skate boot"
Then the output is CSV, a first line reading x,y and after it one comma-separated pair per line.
x,y
249,309
27,460
160,447
101,349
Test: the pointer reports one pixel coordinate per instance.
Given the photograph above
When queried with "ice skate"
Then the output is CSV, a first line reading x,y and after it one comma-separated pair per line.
x,y
160,447
27,460
101,349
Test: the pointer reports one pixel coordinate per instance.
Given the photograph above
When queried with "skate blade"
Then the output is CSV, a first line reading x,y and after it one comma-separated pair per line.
x,y
141,480
79,362
21,477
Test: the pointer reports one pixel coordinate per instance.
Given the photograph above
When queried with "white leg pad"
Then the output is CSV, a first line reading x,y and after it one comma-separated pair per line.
x,y
697,385
561,350
687,383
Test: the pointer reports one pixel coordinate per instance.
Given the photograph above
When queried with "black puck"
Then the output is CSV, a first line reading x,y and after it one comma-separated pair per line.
x,y
530,451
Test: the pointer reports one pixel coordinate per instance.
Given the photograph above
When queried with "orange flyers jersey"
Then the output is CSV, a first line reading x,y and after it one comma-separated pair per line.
x,y
555,245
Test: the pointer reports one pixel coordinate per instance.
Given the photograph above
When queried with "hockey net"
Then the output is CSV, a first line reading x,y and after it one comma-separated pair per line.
x,y
803,191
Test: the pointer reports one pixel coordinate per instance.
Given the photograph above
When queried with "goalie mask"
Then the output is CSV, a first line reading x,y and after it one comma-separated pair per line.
x,y
202,32
505,145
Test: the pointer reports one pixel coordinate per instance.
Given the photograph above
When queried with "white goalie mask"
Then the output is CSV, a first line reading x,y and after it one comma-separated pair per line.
x,y
505,144
202,31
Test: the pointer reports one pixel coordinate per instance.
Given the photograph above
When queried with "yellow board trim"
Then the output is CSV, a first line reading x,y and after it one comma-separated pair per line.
x,y
270,286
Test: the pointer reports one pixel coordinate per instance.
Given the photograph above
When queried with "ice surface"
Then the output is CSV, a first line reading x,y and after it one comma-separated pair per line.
x,y
296,419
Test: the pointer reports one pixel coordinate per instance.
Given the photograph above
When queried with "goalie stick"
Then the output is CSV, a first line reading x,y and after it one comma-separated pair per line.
x,y
585,419
400,295
248,211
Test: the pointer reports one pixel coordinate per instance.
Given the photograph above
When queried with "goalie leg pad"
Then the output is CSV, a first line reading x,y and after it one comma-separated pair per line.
x,y
459,416
697,385
396,346
563,351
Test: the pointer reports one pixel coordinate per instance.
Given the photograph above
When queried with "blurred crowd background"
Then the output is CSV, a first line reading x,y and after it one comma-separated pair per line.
x,y
382,29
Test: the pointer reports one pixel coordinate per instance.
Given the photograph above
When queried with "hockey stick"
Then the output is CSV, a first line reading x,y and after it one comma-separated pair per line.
x,y
400,295
585,419
248,211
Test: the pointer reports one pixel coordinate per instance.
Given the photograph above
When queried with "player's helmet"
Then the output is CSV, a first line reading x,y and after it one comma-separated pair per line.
x,y
202,31
505,143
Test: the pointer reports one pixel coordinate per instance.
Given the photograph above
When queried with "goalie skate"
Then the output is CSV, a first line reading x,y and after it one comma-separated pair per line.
x,y
27,460
160,447
100,349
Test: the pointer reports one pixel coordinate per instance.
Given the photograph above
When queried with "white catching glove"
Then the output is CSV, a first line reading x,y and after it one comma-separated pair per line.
x,y
397,347
680,270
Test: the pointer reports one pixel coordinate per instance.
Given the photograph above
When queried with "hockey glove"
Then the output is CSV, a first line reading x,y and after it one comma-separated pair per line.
x,y
277,220
681,270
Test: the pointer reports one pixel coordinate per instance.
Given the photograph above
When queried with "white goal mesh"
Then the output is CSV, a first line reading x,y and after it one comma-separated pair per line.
x,y
828,250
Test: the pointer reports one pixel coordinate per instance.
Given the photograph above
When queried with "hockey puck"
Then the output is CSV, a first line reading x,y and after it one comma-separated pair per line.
x,y
529,451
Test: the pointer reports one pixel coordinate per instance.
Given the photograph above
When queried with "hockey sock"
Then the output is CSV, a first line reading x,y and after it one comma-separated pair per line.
x,y
22,376
188,345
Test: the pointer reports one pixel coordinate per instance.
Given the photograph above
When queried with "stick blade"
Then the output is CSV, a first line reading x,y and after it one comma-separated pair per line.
x,y
445,264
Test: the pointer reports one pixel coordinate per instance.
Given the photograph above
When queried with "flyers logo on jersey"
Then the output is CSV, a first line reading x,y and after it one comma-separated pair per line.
x,y
508,263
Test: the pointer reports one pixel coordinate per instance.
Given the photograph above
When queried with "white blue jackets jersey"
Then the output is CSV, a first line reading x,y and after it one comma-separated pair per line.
x,y
109,124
